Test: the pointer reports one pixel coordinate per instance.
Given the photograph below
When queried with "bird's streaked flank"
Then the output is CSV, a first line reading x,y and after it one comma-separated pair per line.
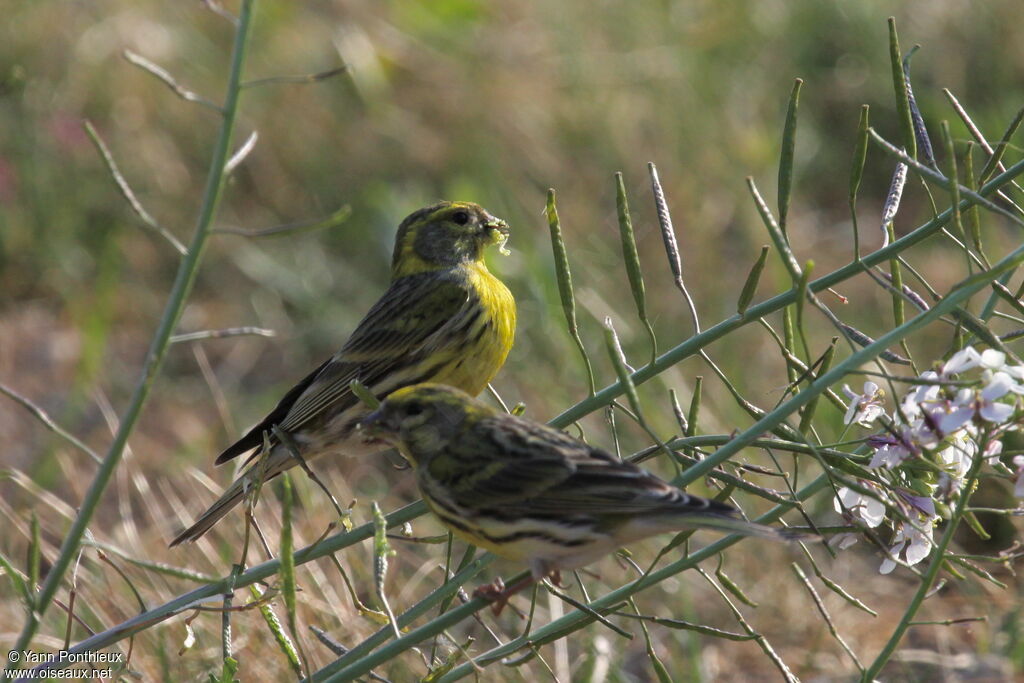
x,y
445,318
529,492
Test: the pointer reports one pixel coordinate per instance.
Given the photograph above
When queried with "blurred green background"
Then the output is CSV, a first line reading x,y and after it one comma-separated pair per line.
x,y
456,99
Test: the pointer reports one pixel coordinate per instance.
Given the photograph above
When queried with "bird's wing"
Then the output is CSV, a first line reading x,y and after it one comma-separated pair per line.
x,y
404,327
532,469
501,461
254,437
605,486
406,322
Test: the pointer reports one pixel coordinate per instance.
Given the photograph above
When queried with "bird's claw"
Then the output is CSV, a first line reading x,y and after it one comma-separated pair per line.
x,y
498,594
495,593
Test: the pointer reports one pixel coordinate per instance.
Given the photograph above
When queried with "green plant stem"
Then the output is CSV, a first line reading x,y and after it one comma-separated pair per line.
x,y
938,559
770,421
183,282
606,395
692,345
260,572
939,179
899,80
576,619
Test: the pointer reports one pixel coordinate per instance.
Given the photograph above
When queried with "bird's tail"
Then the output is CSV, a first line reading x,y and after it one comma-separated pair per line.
x,y
731,524
277,462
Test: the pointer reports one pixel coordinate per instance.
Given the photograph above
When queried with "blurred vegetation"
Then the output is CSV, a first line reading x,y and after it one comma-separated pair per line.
x,y
459,99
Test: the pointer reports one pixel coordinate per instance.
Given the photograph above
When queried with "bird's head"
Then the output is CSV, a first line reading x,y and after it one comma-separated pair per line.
x,y
422,420
444,235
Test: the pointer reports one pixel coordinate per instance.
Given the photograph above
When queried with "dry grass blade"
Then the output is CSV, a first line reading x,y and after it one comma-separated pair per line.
x,y
44,417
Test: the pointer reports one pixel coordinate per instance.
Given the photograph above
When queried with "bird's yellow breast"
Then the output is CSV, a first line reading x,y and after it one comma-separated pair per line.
x,y
488,339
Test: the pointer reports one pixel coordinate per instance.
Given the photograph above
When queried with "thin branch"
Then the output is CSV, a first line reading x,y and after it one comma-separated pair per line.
x,y
221,334
938,560
938,178
576,619
243,152
331,221
299,79
165,77
215,7
980,138
820,604
692,345
176,300
43,417
126,190
766,647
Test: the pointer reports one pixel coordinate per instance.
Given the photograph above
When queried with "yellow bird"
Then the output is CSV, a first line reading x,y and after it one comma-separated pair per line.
x,y
531,493
445,318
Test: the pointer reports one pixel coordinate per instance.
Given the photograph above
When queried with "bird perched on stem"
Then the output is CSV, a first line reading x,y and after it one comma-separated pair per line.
x,y
529,492
445,318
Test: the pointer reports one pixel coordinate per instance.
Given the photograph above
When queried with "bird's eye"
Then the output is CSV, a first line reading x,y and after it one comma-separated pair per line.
x,y
414,409
460,217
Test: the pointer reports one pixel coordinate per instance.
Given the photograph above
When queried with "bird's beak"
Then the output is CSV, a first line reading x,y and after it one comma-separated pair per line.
x,y
498,231
499,225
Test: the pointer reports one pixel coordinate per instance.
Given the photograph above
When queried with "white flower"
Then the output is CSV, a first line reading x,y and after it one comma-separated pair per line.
x,y
856,504
958,455
1018,487
1003,382
890,451
921,394
985,403
993,449
866,407
962,360
1015,371
990,360
962,412
910,542
925,432
947,485
842,541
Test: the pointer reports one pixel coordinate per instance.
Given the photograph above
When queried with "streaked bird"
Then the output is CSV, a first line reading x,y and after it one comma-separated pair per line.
x,y
531,493
444,318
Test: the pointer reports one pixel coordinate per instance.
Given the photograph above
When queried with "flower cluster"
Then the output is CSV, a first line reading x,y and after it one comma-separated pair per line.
x,y
950,417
